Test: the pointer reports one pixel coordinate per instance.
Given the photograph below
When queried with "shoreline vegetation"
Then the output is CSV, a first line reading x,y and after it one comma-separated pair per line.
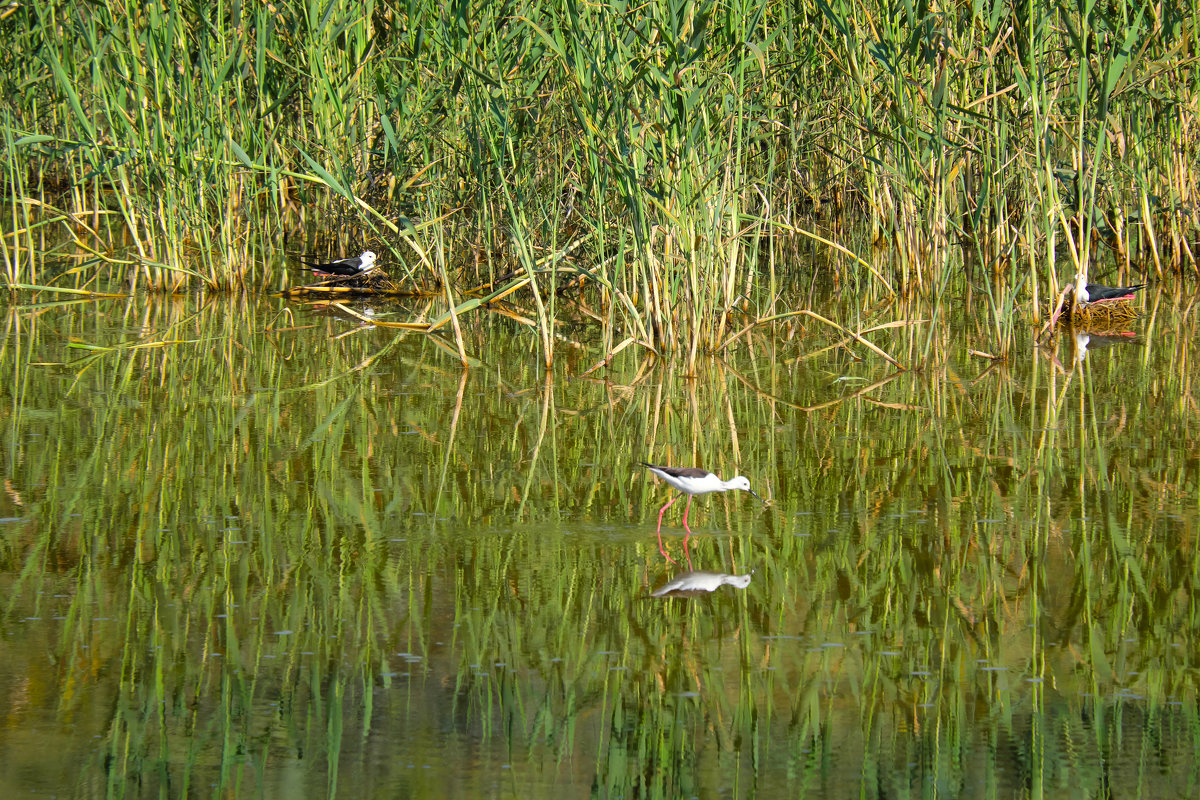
x,y
669,161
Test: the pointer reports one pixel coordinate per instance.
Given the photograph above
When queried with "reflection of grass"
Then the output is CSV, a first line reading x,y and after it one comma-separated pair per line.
x,y
350,547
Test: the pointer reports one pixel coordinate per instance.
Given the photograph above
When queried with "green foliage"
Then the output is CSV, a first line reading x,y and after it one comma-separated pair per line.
x,y
666,153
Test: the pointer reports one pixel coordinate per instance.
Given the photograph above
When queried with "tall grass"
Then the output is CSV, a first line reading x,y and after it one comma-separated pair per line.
x,y
665,153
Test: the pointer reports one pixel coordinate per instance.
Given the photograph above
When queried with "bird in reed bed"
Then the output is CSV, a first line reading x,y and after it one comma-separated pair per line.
x,y
1085,293
343,268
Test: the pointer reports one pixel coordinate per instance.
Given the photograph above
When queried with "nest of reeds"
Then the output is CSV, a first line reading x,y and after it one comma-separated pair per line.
x,y
1099,317
1110,317
376,283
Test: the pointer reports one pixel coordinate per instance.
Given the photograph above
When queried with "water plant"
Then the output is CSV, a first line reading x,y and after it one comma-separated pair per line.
x,y
669,157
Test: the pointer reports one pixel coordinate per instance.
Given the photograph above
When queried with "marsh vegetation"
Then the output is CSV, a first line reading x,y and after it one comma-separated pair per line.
x,y
662,163
257,545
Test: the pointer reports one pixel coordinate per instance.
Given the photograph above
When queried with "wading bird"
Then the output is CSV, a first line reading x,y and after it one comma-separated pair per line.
x,y
693,481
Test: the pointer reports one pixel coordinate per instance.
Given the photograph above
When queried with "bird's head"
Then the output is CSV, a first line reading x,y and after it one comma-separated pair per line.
x,y
1080,286
743,483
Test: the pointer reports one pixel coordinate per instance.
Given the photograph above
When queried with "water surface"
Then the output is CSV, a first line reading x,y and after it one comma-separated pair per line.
x,y
250,548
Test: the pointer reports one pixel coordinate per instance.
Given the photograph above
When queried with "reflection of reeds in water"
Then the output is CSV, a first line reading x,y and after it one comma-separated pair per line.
x,y
354,546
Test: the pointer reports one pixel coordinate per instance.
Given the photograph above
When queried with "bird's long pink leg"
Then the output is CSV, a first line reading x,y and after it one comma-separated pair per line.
x,y
687,530
661,511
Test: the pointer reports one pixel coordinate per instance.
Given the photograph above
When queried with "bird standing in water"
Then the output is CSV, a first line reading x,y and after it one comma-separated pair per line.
x,y
692,481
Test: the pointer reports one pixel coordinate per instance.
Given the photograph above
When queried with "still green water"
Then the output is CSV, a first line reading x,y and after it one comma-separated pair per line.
x,y
252,549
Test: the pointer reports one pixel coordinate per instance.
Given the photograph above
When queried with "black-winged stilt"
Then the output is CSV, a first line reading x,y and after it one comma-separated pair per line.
x,y
1097,293
346,267
692,481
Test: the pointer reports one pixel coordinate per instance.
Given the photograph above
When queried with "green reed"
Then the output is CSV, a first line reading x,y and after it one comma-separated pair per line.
x,y
666,154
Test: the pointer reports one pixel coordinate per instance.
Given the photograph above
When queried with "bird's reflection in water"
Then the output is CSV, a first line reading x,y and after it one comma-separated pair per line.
x,y
691,584
1082,340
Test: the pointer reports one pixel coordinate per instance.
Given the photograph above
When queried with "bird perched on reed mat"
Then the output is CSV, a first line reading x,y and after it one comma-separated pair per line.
x,y
1093,304
1085,294
343,268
